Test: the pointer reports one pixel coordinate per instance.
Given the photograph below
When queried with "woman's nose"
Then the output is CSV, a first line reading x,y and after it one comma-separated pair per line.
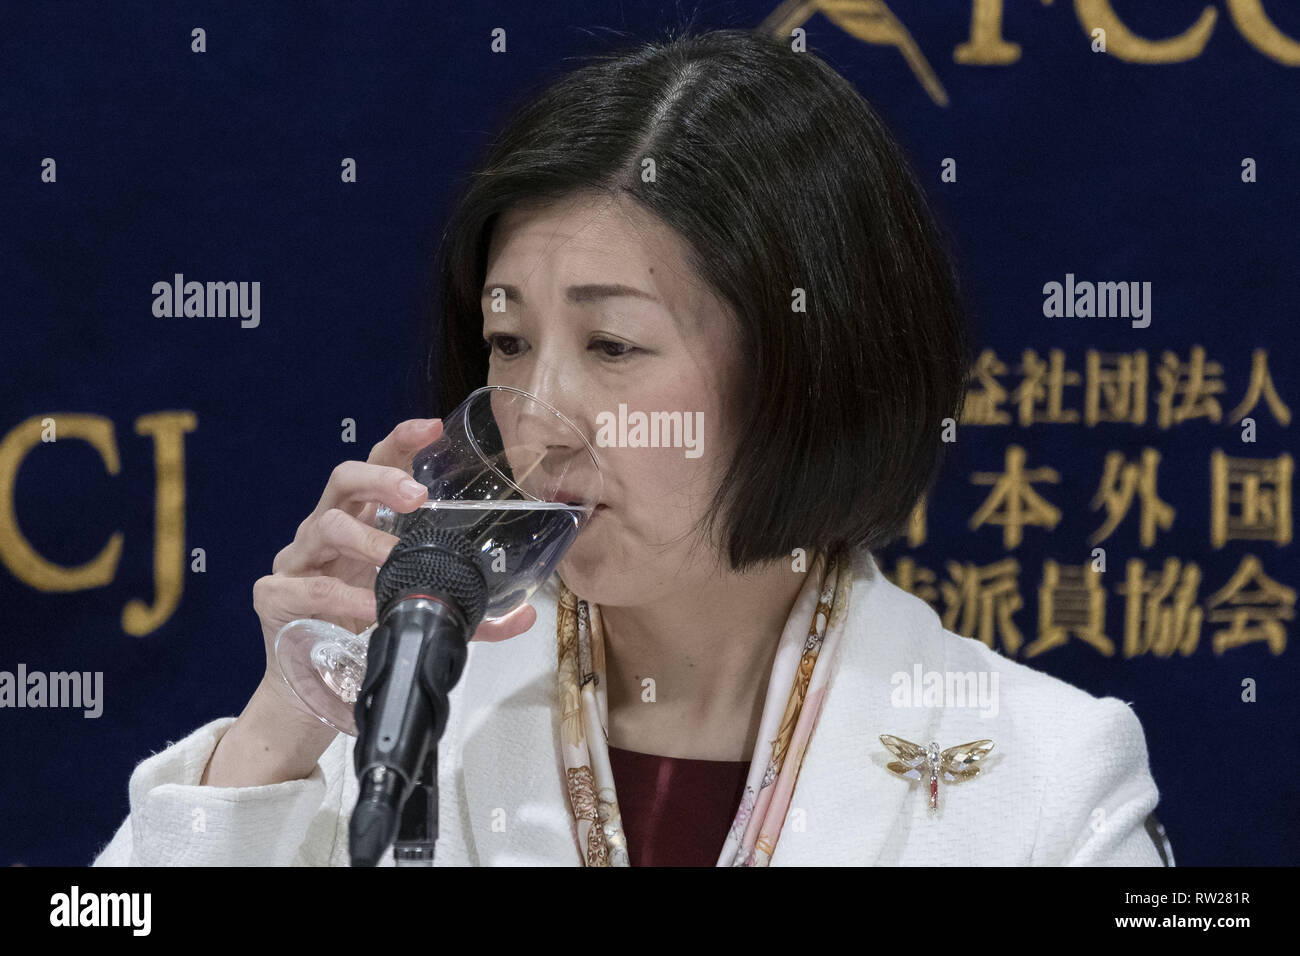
x,y
560,414
561,459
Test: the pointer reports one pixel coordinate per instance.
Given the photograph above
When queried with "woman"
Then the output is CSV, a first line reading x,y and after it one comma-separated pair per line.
x,y
721,227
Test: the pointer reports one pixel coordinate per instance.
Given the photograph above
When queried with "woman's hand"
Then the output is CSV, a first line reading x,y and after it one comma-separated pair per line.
x,y
328,572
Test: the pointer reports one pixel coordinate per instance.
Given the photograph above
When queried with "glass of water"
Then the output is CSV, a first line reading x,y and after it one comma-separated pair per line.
x,y
511,475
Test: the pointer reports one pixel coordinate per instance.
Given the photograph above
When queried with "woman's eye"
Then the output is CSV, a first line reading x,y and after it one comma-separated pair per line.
x,y
610,349
502,343
507,346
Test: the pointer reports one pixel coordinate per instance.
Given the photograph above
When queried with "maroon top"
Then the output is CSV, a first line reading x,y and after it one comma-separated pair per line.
x,y
676,811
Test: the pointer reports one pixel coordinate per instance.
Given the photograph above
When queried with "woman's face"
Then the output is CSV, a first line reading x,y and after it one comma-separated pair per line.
x,y
586,348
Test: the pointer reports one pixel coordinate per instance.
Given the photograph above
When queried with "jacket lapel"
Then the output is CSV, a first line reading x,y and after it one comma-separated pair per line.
x,y
510,750
849,801
844,803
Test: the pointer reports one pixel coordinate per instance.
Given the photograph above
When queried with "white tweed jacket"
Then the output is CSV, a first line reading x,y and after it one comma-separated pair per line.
x,y
1067,783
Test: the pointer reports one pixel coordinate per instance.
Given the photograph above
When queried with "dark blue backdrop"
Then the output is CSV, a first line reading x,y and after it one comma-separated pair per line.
x,y
225,166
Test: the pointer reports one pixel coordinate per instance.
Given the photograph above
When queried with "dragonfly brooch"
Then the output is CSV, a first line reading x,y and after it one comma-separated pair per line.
x,y
954,764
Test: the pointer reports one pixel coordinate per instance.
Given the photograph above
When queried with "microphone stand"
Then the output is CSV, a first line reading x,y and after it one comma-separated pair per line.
x,y
418,831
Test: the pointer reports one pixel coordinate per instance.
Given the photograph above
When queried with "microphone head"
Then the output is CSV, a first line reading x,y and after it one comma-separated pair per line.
x,y
429,558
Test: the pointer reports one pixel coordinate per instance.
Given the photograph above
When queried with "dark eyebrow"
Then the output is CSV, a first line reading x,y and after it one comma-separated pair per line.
x,y
577,294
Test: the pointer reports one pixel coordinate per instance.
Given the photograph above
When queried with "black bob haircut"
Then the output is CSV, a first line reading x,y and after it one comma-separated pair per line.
x,y
779,176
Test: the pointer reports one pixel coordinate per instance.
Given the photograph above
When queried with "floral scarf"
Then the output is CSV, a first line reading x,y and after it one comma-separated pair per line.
x,y
795,692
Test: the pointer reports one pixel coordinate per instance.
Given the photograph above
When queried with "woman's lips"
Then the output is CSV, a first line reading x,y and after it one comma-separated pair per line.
x,y
568,496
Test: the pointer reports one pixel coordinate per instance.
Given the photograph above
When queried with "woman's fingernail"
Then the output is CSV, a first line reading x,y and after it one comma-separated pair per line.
x,y
412,488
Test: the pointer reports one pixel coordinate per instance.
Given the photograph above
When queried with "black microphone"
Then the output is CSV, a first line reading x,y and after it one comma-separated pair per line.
x,y
431,596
